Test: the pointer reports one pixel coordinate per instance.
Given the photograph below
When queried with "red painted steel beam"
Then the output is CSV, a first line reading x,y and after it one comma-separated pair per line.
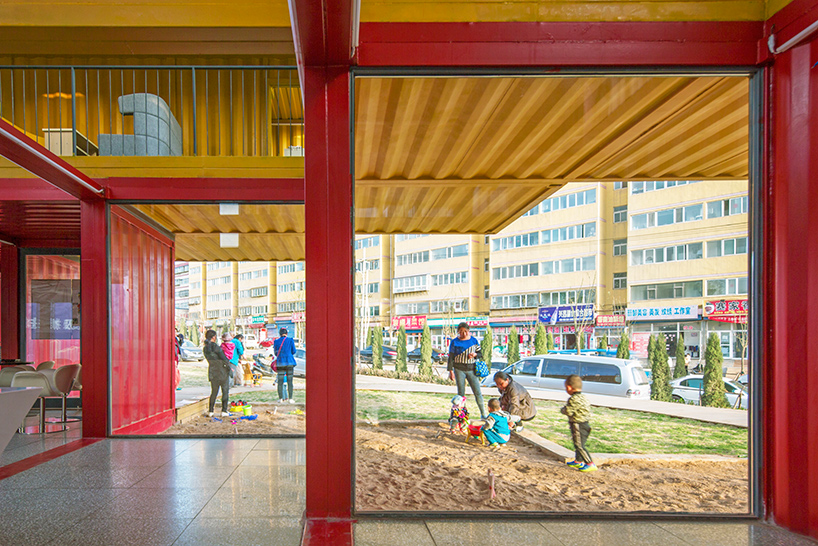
x,y
558,44
329,236
322,32
280,190
792,19
10,301
94,316
31,156
31,189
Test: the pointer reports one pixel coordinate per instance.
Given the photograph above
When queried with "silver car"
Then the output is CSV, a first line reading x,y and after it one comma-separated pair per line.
x,y
600,374
688,389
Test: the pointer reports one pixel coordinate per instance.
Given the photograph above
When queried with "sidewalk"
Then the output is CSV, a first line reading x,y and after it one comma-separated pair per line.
x,y
736,418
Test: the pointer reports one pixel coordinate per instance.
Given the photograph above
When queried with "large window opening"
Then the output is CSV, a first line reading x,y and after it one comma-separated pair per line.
x,y
568,223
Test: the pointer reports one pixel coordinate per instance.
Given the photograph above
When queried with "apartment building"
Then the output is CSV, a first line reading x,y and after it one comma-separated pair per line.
x,y
197,288
256,297
373,283
221,282
290,299
182,289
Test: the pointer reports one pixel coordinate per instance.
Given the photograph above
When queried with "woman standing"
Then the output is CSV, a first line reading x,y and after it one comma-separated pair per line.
x,y
464,350
218,372
284,350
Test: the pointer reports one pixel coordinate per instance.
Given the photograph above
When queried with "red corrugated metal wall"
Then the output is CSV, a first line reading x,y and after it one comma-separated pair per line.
x,y
142,329
791,376
61,351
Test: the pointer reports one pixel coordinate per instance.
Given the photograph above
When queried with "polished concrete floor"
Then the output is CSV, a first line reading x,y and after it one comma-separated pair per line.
x,y
247,492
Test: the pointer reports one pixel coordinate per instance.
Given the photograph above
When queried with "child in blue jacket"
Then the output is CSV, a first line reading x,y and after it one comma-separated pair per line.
x,y
496,428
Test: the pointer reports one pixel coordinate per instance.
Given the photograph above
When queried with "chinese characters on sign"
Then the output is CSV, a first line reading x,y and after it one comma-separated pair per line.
x,y
734,311
410,323
677,312
566,313
610,321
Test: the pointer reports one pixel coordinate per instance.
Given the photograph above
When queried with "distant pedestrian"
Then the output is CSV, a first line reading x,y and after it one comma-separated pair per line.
x,y
218,372
229,349
235,360
464,351
578,410
284,351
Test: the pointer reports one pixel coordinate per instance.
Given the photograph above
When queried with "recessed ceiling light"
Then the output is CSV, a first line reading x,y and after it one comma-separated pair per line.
x,y
229,209
229,240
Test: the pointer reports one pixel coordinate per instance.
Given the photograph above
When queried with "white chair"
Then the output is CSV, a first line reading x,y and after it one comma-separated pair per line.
x,y
54,383
46,365
6,374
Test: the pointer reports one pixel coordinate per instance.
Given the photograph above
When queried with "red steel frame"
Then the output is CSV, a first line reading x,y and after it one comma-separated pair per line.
x,y
10,300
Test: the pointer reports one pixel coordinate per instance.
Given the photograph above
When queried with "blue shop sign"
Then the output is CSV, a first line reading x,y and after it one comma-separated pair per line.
x,y
567,313
674,312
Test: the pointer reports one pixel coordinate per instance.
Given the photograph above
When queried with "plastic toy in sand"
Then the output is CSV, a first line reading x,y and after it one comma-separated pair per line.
x,y
476,431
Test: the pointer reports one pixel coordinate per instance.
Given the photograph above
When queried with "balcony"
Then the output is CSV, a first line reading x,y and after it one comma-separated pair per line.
x,y
240,111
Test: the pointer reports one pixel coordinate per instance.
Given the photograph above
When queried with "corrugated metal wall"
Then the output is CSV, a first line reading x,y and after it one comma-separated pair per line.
x,y
142,328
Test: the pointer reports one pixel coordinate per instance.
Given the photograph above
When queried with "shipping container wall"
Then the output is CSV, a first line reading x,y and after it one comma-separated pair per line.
x,y
52,309
142,328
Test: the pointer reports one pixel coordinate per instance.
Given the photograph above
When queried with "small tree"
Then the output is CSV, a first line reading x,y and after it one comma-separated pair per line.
x,y
680,370
602,343
400,361
513,352
487,346
195,336
651,350
377,349
549,342
660,371
580,337
540,342
713,392
425,368
624,349
370,335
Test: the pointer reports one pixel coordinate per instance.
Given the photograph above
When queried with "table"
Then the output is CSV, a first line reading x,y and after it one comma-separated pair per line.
x,y
15,402
16,363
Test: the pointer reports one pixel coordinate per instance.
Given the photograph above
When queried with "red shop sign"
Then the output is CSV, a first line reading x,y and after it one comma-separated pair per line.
x,y
410,323
610,321
726,308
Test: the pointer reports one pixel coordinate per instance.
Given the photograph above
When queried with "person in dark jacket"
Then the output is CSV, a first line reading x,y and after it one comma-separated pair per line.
x,y
284,351
514,400
218,372
464,350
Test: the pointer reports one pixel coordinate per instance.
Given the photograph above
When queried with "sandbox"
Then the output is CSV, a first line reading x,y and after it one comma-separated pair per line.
x,y
406,467
273,419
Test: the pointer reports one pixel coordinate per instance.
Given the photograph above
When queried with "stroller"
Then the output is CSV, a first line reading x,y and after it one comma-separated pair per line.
x,y
259,366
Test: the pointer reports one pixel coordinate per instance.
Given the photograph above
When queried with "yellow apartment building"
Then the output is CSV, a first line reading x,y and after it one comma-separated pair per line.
x,y
256,297
290,299
373,282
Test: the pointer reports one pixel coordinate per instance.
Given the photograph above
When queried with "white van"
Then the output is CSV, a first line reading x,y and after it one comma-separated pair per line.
x,y
600,374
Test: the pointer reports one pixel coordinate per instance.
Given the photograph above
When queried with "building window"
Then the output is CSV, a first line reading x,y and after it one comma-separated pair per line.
x,y
244,311
258,292
368,265
514,301
568,297
415,283
727,207
218,281
449,306
413,258
664,291
450,252
410,236
666,217
620,281
675,253
259,309
620,247
413,308
515,271
213,266
620,185
579,231
516,241
577,199
642,187
727,247
291,287
727,287
212,314
569,265
196,270
367,242
292,306
290,268
486,265
620,214
486,292
450,278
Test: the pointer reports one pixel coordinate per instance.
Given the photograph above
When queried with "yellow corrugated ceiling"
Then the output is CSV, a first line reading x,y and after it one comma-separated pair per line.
x,y
471,154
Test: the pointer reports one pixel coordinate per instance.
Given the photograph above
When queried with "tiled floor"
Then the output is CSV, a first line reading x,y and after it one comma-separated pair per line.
x,y
22,446
248,492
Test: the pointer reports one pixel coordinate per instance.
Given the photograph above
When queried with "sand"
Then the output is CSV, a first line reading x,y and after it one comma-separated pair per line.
x,y
414,467
272,419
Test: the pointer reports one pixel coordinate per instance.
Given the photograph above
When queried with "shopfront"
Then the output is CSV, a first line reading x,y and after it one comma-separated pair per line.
x,y
672,321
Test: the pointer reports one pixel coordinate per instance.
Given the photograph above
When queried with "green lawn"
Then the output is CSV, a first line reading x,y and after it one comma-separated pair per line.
x,y
613,431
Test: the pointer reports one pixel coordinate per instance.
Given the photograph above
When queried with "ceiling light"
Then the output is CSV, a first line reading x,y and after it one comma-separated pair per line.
x,y
229,209
229,240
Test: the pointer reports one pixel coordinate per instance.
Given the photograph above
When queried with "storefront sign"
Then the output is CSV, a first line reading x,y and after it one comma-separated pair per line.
x,y
299,316
639,344
473,322
610,321
565,329
258,319
733,311
567,313
680,312
410,323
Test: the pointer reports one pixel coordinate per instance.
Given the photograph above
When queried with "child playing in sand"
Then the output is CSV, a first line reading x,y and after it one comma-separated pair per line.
x,y
459,416
578,410
496,428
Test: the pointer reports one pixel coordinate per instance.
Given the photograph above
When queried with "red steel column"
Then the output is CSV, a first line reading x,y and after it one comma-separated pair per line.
x,y
10,300
791,279
328,190
94,316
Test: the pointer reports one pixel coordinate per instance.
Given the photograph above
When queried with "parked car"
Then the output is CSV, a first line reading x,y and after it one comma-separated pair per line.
x,y
191,352
600,374
250,341
389,353
688,389
414,356
300,369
